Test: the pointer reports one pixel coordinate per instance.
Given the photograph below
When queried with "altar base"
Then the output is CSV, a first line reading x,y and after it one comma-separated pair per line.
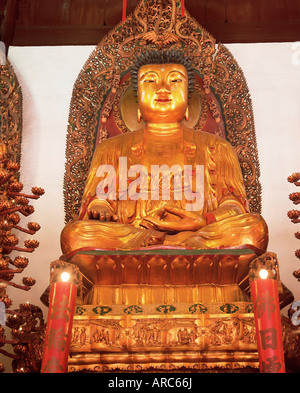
x,y
173,337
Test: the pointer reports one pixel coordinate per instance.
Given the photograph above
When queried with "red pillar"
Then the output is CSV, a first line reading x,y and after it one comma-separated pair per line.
x,y
265,298
59,324
124,10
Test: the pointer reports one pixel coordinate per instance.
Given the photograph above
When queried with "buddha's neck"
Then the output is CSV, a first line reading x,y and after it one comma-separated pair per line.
x,y
163,134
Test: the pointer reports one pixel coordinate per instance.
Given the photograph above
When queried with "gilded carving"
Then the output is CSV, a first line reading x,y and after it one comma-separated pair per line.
x,y
95,113
185,335
11,111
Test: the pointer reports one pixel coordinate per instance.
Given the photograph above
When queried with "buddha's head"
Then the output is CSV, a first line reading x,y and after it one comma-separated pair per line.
x,y
163,81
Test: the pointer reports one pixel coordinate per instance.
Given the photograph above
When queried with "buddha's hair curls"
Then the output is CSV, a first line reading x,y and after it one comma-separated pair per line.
x,y
162,57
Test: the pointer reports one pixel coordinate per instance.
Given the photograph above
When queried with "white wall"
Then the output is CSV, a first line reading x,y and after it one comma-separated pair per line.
x,y
47,75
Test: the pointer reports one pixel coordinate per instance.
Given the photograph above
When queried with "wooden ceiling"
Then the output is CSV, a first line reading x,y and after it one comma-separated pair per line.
x,y
85,22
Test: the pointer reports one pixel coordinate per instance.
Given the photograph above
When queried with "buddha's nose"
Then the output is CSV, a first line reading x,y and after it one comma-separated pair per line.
x,y
163,88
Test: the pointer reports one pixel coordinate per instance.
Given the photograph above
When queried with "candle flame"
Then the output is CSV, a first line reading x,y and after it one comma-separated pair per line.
x,y
263,273
65,276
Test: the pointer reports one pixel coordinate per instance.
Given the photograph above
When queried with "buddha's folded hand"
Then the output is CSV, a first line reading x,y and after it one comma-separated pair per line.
x,y
188,221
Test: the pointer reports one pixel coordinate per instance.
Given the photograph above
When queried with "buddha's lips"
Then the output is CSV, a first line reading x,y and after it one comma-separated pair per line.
x,y
163,99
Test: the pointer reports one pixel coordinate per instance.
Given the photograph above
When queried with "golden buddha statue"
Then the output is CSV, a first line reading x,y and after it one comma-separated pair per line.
x,y
164,184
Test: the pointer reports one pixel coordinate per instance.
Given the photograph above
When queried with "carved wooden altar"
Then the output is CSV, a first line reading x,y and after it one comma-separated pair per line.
x,y
164,337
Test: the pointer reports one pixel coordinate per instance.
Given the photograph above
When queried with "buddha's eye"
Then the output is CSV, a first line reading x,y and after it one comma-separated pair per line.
x,y
149,81
176,80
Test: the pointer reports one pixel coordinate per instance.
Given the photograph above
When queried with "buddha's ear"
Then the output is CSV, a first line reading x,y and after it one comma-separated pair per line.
x,y
139,116
187,115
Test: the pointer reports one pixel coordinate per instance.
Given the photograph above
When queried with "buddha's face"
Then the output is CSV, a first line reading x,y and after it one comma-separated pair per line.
x,y
162,92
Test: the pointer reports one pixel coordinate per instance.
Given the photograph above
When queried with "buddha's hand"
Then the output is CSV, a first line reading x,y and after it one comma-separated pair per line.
x,y
189,221
102,213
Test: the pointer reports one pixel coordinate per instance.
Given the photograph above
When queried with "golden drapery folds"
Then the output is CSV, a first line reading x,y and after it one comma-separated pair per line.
x,y
229,222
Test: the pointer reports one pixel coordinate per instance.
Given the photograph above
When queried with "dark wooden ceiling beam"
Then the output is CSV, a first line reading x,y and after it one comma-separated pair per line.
x,y
91,35
9,22
243,11
59,35
293,9
85,22
255,32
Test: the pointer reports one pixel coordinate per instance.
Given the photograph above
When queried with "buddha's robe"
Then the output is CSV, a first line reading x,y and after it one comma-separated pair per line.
x,y
225,206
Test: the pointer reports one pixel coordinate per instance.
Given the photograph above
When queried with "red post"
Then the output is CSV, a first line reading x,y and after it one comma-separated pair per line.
x,y
182,8
124,10
268,323
59,325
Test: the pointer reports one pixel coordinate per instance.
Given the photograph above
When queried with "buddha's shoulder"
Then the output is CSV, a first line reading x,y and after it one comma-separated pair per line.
x,y
118,141
207,138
